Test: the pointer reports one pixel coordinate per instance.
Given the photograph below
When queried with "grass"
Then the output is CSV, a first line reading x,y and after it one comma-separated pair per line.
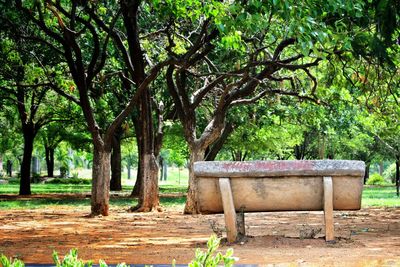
x,y
122,202
380,196
373,196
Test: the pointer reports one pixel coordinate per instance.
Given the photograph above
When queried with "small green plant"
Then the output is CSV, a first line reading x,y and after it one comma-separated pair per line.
x,y
71,260
375,179
75,175
209,258
6,262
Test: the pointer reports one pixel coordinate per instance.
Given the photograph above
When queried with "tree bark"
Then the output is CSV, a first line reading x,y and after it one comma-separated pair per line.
x,y
49,151
115,183
148,164
100,181
25,183
192,205
148,192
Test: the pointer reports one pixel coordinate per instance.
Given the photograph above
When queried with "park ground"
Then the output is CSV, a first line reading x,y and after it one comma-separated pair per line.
x,y
369,237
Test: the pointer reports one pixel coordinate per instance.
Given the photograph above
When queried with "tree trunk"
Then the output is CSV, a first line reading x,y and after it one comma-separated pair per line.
x,y
128,167
49,161
148,164
148,191
381,168
366,175
213,150
397,177
1,164
192,205
100,181
115,183
25,183
139,142
139,174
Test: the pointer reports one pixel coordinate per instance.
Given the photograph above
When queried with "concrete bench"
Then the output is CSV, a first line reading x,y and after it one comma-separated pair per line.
x,y
261,186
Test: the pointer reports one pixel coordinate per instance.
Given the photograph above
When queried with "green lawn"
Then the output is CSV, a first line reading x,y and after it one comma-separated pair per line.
x,y
373,196
380,196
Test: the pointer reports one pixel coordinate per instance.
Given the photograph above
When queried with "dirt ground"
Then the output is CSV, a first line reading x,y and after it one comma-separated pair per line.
x,y
369,237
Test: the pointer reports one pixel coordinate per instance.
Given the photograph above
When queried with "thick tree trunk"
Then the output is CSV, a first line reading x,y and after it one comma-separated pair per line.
x,y
192,205
148,164
49,151
397,177
148,192
100,181
115,183
25,183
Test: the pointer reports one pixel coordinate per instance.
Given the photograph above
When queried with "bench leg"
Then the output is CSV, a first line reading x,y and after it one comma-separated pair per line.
x,y
328,209
229,209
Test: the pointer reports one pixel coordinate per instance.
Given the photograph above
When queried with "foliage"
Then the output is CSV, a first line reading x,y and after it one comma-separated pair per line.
x,y
5,262
376,179
72,260
69,181
209,258
390,173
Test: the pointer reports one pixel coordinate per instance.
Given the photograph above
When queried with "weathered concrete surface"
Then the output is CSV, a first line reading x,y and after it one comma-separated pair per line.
x,y
280,168
280,185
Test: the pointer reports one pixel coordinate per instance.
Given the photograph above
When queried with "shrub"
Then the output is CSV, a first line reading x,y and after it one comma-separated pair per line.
x,y
376,179
69,181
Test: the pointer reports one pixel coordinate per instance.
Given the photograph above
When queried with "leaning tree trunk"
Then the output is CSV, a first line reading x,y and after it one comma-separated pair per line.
x,y
25,183
115,183
100,180
49,151
192,205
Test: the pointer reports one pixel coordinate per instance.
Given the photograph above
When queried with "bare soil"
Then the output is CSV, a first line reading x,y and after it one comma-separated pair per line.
x,y
369,237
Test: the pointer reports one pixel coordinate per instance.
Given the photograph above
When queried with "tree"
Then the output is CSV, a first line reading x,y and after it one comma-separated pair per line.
x,y
264,60
82,33
24,84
